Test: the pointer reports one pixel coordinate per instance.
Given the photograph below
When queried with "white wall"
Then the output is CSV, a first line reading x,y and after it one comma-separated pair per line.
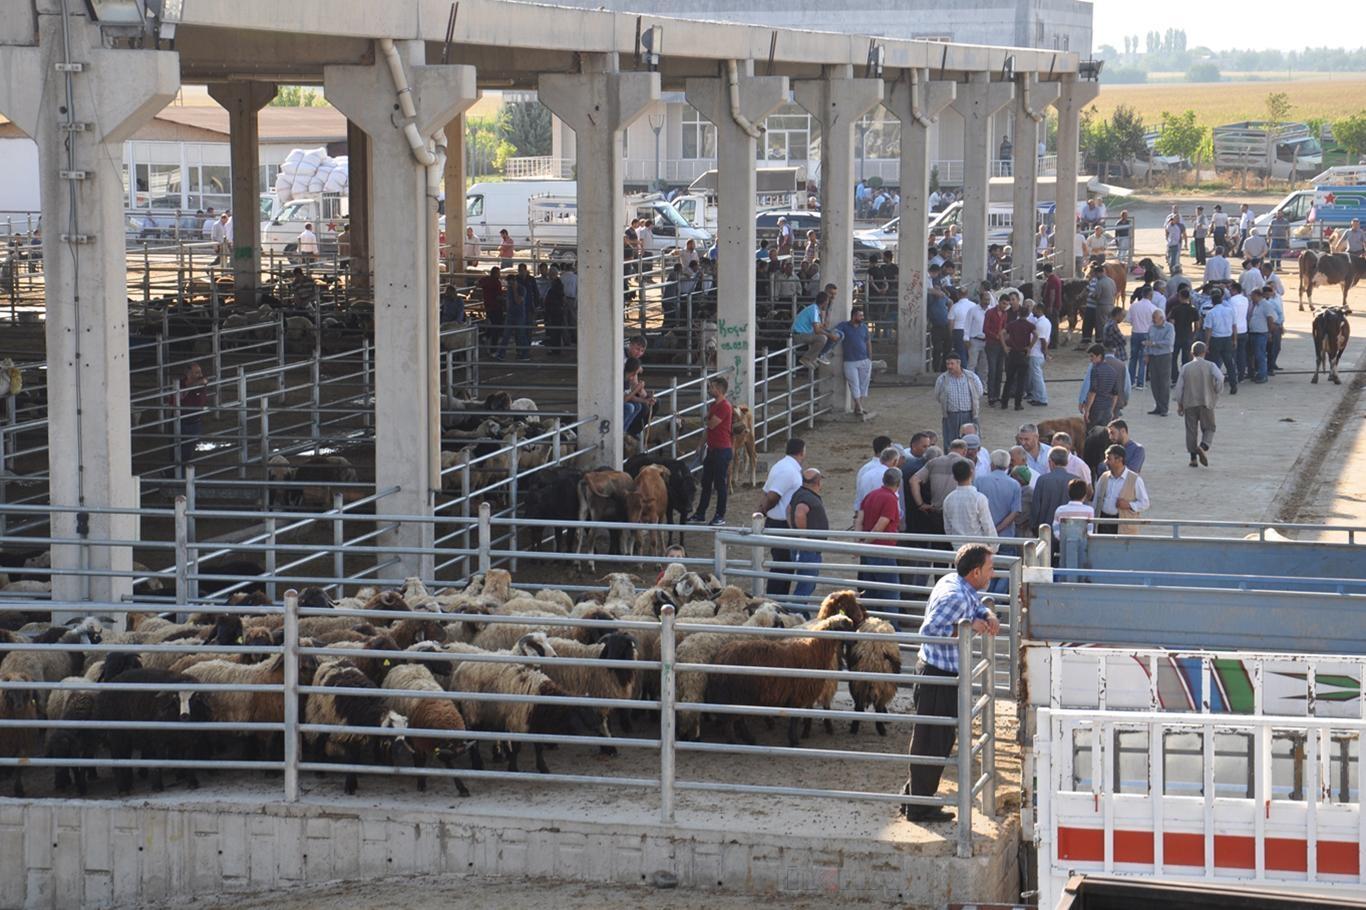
x,y
19,183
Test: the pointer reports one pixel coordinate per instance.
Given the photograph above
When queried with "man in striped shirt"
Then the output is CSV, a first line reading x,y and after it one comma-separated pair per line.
x,y
955,599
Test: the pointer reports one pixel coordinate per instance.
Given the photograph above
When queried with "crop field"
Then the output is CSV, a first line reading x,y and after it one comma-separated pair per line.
x,y
1217,103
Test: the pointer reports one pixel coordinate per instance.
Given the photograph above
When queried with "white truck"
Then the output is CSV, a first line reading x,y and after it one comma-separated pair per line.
x,y
552,220
327,212
1286,151
774,187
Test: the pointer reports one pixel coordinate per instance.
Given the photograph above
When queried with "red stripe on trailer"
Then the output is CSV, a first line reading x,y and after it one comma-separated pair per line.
x,y
1231,851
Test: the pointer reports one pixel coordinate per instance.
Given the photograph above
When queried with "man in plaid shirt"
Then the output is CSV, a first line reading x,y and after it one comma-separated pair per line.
x,y
955,598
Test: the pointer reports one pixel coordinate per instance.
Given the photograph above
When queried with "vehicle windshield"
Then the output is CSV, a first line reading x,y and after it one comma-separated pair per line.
x,y
666,213
1308,146
299,210
474,206
890,227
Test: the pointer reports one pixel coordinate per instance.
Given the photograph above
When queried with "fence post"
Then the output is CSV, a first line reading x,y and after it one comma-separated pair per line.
x,y
667,718
242,423
449,357
316,371
191,530
369,410
989,726
485,537
761,402
161,386
270,556
1016,620
555,447
291,695
338,539
465,513
182,553
719,558
790,367
756,555
673,417
280,353
965,739
146,275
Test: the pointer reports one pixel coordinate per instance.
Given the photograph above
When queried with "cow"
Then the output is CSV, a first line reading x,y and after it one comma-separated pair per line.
x,y
682,484
1331,333
320,472
1074,427
606,495
552,495
652,486
746,458
1333,268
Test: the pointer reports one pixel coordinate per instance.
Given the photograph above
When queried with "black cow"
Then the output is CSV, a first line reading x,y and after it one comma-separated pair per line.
x,y
1331,334
553,494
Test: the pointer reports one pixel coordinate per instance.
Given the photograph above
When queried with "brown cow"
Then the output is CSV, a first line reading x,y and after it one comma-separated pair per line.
x,y
1331,333
652,487
746,458
607,495
1334,268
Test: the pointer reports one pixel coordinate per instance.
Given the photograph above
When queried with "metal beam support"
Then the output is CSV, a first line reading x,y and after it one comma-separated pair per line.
x,y
917,103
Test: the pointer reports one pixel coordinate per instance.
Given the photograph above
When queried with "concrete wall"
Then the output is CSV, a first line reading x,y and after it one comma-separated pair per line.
x,y
19,164
76,854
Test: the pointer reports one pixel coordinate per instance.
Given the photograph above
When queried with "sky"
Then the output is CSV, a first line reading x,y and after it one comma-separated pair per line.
x,y
1257,24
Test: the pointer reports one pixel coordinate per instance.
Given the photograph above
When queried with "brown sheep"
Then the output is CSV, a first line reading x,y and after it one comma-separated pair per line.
x,y
426,714
26,742
774,691
873,657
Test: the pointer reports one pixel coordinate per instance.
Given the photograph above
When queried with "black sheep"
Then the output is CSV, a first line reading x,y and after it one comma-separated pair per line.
x,y
168,704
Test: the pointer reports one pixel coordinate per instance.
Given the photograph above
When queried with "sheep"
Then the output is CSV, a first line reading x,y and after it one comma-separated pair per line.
x,y
408,632
52,666
873,657
168,704
372,666
73,704
387,600
498,585
557,599
426,714
598,682
836,603
226,630
20,704
351,711
248,707
523,404
515,717
416,596
771,691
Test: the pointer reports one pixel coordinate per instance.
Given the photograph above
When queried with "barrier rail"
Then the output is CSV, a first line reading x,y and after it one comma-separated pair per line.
x,y
292,680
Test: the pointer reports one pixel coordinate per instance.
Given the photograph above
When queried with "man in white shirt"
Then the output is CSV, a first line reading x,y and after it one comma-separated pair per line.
x,y
973,333
1245,222
1038,353
960,315
1081,253
308,244
935,201
1251,279
1217,267
1176,236
784,479
1140,319
217,235
1120,493
1075,466
1240,305
1076,507
209,222
967,513
870,476
980,457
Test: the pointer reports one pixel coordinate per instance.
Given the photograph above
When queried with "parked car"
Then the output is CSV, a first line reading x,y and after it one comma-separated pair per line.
x,y
803,220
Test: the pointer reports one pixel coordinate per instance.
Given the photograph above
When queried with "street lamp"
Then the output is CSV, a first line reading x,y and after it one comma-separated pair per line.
x,y
657,124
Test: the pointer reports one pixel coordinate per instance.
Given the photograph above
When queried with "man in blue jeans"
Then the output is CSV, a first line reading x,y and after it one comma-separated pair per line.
x,y
1258,333
716,464
1222,337
882,515
806,512
1140,323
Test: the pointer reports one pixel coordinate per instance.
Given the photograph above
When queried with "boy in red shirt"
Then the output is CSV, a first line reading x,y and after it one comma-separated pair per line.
x,y
716,465
882,514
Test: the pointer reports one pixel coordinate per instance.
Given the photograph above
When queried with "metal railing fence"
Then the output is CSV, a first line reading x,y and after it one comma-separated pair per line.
x,y
974,762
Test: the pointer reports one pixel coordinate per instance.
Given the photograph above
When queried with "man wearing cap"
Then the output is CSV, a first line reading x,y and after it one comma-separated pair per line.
x,y
806,511
980,458
959,393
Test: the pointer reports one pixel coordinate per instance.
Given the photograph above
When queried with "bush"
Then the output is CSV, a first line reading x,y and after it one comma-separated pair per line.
x,y
1123,75
1203,72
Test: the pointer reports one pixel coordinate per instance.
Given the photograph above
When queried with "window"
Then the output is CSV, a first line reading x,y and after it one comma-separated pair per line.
x,y
699,135
877,135
474,207
1038,32
788,137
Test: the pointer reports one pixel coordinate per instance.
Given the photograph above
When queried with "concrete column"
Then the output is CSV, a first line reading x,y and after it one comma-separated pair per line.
x,y
1032,99
978,101
455,195
597,104
403,217
836,102
736,194
916,102
86,276
358,160
1072,99
242,101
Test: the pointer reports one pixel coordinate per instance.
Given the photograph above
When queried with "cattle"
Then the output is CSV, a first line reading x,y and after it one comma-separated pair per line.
x,y
553,495
320,472
682,484
1331,333
606,495
1074,427
652,486
1332,268
746,457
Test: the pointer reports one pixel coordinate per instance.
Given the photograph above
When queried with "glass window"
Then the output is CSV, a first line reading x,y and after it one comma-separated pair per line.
x,y
1287,765
699,135
1131,761
1233,765
1183,761
788,136
474,206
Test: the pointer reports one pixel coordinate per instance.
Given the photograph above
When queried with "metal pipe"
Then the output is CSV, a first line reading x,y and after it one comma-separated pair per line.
x,y
736,114
668,721
965,740
291,695
182,553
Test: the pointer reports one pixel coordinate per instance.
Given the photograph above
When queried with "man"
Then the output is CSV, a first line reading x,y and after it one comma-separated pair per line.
x,y
806,511
1075,507
1098,304
938,473
210,219
1258,333
959,393
993,327
809,329
1175,283
955,598
966,511
1273,295
870,475
1076,466
1245,222
858,364
1251,279
1279,235
1018,337
881,511
1219,227
1222,339
1140,321
217,233
1120,493
471,249
972,447
720,450
1122,401
1182,316
975,332
937,315
1098,409
1201,230
495,314
1134,454
1052,294
1176,238
1352,241
784,237
1038,353
960,318
307,244
1159,350
1035,454
191,399
1197,392
1051,489
1241,306
914,458
1255,246
783,480
1217,267
1001,491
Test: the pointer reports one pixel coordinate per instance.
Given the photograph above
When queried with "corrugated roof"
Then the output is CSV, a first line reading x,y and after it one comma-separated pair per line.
x,y
277,124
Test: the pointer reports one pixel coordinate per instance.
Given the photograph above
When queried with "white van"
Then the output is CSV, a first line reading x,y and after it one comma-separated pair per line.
x,y
493,207
327,212
553,220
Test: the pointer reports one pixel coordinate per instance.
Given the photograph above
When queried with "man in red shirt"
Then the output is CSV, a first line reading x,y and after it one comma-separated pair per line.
x,y
1017,337
716,464
1052,299
191,397
494,310
992,325
882,515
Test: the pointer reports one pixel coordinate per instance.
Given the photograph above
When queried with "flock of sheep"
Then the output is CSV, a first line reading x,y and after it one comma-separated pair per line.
x,y
411,648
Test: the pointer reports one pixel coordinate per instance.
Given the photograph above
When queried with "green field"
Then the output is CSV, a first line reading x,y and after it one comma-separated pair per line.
x,y
1227,102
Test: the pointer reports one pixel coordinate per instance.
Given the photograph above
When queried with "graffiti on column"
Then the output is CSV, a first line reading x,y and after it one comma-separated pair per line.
x,y
733,341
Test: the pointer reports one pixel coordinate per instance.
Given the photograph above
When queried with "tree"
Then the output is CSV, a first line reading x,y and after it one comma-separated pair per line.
x,y
1181,136
1277,108
1350,133
297,96
526,126
1108,52
1203,72
1129,132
